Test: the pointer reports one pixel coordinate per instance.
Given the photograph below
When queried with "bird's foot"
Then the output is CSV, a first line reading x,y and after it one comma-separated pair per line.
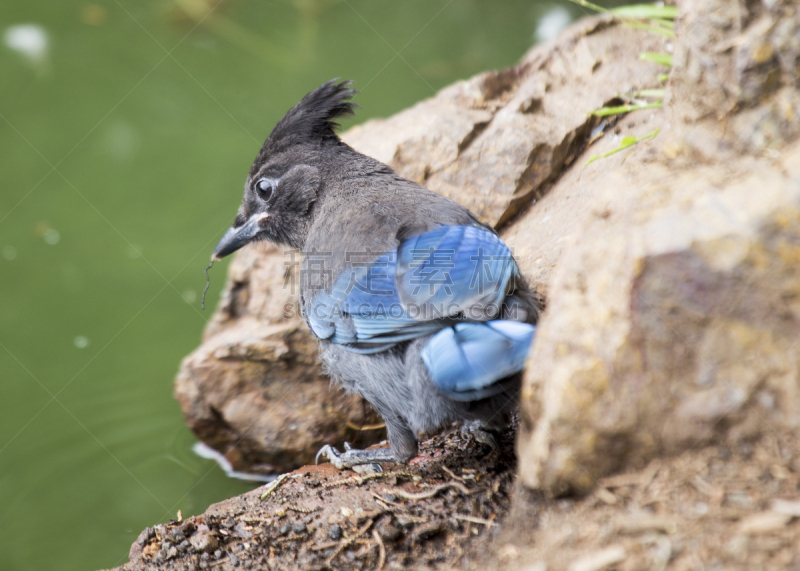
x,y
481,434
362,461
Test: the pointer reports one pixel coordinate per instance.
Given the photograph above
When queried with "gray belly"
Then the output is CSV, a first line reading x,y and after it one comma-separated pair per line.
x,y
395,382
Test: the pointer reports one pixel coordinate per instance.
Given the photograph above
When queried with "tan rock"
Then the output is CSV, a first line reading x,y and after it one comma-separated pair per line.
x,y
674,302
763,522
254,389
495,142
599,560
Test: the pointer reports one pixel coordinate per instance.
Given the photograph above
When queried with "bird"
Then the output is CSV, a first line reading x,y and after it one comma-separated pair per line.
x,y
418,306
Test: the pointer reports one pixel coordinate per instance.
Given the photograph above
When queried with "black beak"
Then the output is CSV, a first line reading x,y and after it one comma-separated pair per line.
x,y
236,237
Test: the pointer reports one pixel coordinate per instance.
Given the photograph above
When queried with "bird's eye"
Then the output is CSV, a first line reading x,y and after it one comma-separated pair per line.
x,y
265,187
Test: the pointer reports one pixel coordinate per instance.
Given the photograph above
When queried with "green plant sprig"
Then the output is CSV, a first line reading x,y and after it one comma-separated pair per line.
x,y
626,142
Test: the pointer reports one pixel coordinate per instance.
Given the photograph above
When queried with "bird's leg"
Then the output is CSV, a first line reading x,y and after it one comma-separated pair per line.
x,y
480,433
403,447
356,459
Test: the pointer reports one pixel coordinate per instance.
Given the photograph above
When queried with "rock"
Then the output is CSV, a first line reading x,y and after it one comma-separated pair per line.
x,y
788,507
763,522
494,143
674,303
428,530
335,531
254,389
599,560
203,540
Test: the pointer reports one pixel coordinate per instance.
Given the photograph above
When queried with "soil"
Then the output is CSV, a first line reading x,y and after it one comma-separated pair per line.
x,y
424,514
715,507
712,507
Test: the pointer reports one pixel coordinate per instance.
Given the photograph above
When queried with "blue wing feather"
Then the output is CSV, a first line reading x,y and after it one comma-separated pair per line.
x,y
454,269
405,294
445,275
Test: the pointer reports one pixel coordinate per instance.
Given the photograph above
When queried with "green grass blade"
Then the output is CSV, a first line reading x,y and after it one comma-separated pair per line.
x,y
589,5
624,144
646,12
655,57
660,93
606,111
661,23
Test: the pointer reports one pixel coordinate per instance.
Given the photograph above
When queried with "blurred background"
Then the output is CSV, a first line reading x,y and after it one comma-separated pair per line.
x,y
126,131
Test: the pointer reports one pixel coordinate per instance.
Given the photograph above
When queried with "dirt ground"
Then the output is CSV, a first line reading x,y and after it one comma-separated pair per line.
x,y
425,514
709,508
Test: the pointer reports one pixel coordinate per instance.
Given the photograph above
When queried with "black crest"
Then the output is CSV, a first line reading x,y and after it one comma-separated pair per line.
x,y
314,119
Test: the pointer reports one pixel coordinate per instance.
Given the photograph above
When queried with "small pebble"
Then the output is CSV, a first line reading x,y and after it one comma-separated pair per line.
x,y
285,528
234,559
203,540
389,532
143,537
242,532
335,532
763,523
217,554
299,527
428,530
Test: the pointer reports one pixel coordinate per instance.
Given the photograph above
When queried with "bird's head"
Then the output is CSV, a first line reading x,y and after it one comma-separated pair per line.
x,y
285,180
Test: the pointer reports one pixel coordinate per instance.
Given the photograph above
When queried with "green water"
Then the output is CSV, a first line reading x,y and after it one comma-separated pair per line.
x,y
124,142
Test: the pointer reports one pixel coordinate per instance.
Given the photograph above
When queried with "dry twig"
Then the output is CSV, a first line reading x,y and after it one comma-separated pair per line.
x,y
272,486
381,549
433,491
471,519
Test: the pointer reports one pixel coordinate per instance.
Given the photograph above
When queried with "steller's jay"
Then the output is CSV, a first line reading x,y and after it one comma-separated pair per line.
x,y
418,306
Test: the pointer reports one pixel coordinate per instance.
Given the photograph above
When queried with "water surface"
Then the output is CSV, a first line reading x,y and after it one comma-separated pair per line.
x,y
126,130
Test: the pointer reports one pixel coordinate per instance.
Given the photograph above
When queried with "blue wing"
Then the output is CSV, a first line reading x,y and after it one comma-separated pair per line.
x,y
431,279
448,283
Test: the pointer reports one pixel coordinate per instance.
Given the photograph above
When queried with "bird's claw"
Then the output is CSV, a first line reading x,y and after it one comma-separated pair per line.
x,y
362,461
367,469
327,451
481,435
333,456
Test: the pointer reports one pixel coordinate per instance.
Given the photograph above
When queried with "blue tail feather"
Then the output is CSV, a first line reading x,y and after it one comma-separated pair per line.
x,y
466,361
